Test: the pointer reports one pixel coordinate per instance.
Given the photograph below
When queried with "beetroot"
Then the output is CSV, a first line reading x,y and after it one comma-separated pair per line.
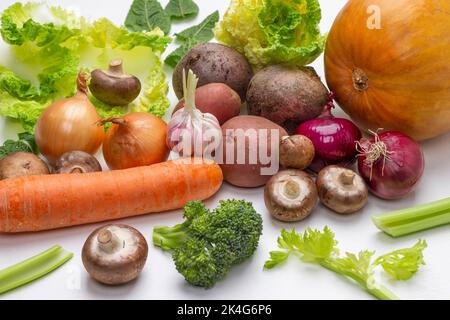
x,y
286,95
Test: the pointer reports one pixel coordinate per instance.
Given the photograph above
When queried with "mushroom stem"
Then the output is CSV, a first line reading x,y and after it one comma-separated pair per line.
x,y
347,178
82,80
291,189
107,240
76,170
116,67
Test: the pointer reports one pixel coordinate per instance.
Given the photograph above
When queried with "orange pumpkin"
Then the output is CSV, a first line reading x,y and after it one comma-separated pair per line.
x,y
388,63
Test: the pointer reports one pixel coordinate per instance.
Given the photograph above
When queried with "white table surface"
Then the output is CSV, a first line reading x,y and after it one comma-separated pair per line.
x,y
294,280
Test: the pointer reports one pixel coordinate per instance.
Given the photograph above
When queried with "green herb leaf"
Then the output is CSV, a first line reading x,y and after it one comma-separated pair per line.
x,y
358,266
145,15
181,9
192,36
276,258
203,32
404,263
320,247
26,143
175,56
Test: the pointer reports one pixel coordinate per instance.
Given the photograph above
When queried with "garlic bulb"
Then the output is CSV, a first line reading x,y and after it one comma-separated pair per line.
x,y
191,132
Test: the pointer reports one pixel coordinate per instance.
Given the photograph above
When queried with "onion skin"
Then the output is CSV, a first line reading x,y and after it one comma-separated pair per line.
x,y
402,170
397,76
138,139
333,138
69,125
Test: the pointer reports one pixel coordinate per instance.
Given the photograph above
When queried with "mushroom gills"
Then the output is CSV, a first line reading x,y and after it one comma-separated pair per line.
x,y
290,195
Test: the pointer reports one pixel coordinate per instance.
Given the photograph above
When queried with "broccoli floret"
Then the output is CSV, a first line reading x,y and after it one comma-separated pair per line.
x,y
169,238
208,244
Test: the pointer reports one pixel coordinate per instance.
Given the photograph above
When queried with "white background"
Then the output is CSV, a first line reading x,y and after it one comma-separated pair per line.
x,y
294,280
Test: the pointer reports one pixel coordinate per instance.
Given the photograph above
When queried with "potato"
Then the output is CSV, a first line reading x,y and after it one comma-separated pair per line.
x,y
21,164
214,63
287,96
218,99
249,175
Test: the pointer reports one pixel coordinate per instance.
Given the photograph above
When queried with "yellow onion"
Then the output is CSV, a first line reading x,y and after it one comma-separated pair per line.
x,y
69,125
138,139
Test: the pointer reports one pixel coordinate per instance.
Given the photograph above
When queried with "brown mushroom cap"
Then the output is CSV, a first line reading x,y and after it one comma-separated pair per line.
x,y
115,254
77,162
113,86
291,195
22,164
296,152
342,190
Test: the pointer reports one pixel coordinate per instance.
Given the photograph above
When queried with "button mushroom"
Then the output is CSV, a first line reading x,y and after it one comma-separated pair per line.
x,y
291,195
115,254
77,162
341,190
22,164
113,86
296,152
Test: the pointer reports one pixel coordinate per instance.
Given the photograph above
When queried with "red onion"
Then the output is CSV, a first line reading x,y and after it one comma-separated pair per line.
x,y
391,163
333,138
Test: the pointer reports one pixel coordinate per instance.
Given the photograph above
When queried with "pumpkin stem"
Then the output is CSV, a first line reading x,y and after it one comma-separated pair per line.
x,y
360,80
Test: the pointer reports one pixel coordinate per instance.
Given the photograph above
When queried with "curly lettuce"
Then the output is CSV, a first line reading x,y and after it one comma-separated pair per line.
x,y
48,46
273,31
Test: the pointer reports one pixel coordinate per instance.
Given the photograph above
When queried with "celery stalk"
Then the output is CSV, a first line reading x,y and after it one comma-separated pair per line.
x,y
402,222
33,268
380,292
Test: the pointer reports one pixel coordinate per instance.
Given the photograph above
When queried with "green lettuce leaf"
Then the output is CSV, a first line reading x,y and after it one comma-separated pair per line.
x,y
49,45
24,112
273,31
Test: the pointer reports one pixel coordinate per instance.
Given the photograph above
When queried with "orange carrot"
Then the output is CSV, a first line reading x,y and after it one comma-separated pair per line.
x,y
39,203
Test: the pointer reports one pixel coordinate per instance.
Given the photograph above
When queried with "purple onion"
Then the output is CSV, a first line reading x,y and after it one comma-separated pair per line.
x,y
334,139
391,163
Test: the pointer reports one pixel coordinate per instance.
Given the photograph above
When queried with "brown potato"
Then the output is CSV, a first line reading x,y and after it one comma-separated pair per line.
x,y
218,99
249,175
214,63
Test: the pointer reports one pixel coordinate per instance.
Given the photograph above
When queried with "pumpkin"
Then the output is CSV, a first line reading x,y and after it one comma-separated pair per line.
x,y
388,63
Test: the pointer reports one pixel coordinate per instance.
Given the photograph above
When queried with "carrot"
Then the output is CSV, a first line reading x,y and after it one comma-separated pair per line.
x,y
37,203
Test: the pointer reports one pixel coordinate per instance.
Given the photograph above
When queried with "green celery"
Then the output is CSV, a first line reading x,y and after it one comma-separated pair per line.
x,y
321,248
406,221
33,268
379,291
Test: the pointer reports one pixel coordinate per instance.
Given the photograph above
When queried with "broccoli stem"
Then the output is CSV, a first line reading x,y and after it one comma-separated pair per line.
x,y
402,222
379,291
169,238
33,268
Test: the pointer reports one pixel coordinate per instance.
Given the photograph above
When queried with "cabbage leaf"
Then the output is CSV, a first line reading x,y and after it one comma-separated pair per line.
x,y
273,31
48,46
